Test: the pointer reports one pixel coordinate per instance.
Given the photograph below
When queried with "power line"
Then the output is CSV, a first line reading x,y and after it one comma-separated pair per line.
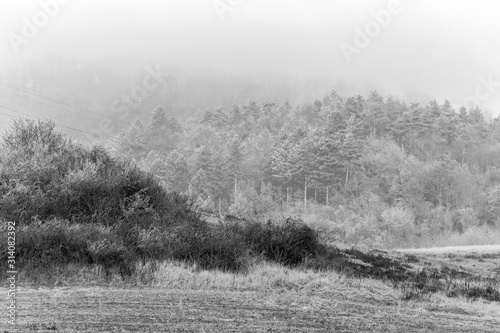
x,y
6,114
73,98
59,108
64,104
51,106
57,95
71,128
56,101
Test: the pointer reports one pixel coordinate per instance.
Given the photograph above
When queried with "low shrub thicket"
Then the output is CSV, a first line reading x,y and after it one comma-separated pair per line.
x,y
224,246
44,176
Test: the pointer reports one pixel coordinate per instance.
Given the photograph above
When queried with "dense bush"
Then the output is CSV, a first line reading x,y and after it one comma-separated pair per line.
x,y
289,242
228,245
42,175
45,245
79,205
224,246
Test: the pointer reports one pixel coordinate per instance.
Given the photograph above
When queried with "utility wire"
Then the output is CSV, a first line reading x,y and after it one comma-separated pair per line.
x,y
71,128
12,85
49,105
24,90
57,101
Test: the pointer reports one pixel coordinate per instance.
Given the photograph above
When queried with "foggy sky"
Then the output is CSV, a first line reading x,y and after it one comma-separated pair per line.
x,y
436,49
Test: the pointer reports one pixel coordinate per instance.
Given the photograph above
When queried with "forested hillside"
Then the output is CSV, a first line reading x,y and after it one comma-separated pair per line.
x,y
368,170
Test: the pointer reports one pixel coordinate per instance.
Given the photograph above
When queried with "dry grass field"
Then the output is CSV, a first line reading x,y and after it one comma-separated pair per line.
x,y
174,310
270,298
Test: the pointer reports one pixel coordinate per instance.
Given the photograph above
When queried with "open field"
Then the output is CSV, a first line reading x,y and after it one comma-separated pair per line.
x,y
270,298
160,310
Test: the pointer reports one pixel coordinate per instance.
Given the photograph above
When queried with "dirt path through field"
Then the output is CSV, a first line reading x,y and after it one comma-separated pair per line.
x,y
479,260
157,310
482,249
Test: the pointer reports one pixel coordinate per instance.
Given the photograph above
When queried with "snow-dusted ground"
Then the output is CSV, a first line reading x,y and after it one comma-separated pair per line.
x,y
455,249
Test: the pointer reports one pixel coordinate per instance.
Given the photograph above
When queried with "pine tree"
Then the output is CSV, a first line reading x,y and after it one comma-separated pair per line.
x,y
158,120
375,115
233,163
176,172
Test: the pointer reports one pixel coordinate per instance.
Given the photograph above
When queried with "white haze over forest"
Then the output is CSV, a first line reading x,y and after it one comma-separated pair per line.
x,y
429,50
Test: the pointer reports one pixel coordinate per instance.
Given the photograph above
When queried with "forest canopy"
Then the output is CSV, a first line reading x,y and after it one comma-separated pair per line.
x,y
370,161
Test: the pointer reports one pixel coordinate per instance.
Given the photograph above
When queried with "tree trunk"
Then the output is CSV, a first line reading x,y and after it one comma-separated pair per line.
x,y
305,195
220,207
327,195
463,156
235,188
346,177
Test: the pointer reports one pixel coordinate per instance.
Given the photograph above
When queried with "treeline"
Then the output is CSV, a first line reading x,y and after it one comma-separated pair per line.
x,y
373,162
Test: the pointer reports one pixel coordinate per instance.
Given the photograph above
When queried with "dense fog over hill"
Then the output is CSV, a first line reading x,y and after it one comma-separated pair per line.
x,y
217,53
